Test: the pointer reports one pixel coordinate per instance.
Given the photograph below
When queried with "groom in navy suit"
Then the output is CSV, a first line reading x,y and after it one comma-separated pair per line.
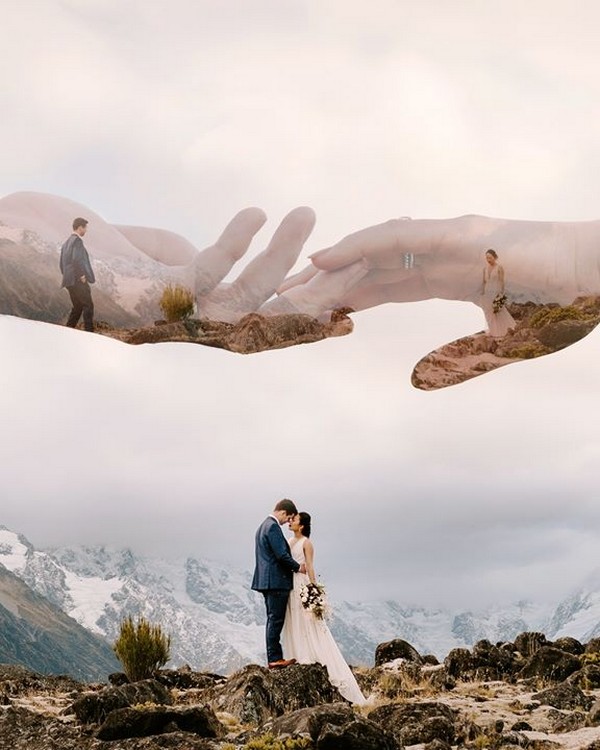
x,y
273,576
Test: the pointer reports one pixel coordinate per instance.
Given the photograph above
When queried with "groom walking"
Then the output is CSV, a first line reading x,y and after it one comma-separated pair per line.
x,y
273,576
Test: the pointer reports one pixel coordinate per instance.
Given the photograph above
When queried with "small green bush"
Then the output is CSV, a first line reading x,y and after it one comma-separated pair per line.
x,y
269,742
141,648
527,350
176,303
553,314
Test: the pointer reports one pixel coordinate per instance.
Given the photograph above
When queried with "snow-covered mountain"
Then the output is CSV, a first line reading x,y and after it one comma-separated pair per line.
x,y
217,623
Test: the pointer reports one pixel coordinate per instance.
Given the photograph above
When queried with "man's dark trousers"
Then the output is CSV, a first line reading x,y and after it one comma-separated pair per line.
x,y
276,603
81,299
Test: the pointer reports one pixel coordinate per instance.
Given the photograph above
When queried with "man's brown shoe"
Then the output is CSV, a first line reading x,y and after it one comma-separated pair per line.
x,y
281,663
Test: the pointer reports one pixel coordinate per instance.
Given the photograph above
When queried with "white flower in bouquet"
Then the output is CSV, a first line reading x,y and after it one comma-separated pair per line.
x,y
312,596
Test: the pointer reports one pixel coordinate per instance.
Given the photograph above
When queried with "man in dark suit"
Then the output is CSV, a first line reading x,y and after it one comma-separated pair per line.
x,y
273,573
78,274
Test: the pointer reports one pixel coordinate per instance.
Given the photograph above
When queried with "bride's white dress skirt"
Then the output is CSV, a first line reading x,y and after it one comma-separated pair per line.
x,y
309,640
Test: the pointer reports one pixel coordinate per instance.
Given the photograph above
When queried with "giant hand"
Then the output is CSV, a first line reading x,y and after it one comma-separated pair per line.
x,y
133,264
404,261
204,271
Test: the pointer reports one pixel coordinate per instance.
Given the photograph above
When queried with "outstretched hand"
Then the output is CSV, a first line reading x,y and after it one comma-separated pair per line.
x,y
204,271
404,261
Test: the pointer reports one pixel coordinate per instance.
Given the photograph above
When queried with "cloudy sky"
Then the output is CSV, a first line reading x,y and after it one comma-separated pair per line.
x,y
177,114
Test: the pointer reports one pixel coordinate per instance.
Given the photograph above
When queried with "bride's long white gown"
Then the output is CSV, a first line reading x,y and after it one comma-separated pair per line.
x,y
498,323
309,640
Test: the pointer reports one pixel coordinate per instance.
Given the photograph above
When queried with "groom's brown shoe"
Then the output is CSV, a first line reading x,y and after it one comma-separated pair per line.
x,y
281,663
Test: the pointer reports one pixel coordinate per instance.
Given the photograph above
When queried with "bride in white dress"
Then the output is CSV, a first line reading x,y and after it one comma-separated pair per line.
x,y
305,637
499,322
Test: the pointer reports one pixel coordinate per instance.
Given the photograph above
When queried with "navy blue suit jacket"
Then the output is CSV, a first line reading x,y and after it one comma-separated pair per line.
x,y
75,262
274,563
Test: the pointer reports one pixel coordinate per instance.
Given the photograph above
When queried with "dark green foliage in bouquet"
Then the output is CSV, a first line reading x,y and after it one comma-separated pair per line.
x,y
141,648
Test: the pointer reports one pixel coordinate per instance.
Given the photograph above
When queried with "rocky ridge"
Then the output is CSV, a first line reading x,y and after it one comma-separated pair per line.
x,y
527,693
540,329
217,622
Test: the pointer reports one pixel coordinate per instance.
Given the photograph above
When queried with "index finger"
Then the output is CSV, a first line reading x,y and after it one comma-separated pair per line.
x,y
383,245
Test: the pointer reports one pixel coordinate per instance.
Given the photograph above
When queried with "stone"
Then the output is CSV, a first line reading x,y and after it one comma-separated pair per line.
x,y
566,721
594,714
359,734
570,645
252,333
414,723
123,723
311,720
255,694
396,649
564,696
550,663
587,678
564,332
529,642
459,662
95,707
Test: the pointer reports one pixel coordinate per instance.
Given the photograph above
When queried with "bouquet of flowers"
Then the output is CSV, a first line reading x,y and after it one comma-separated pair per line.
x,y
312,596
499,302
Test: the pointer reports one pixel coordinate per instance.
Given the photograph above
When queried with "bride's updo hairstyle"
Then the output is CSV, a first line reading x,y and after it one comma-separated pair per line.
x,y
305,523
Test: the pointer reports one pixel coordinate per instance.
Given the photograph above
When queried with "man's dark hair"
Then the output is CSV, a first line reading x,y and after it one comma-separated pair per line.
x,y
286,505
79,222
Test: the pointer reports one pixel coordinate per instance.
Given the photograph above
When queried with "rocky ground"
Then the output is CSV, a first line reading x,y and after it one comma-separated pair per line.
x,y
253,333
526,694
540,330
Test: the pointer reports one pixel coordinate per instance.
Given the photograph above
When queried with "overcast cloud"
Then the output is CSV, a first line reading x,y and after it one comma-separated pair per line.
x,y
177,114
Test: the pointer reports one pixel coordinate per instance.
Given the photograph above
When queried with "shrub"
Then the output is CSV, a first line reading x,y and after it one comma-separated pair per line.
x,y
177,303
269,742
549,315
141,648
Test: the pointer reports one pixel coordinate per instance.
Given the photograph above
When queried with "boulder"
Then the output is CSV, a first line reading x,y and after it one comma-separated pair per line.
x,y
359,734
570,645
95,707
144,722
529,642
459,663
256,694
564,696
414,723
587,678
564,332
310,721
550,663
492,662
396,649
185,678
568,721
593,646
594,714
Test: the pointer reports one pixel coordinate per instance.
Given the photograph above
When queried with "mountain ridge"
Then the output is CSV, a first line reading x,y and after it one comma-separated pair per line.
x,y
217,622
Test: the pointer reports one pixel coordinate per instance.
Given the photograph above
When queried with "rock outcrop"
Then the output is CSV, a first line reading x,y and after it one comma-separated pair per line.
x,y
475,699
540,329
253,333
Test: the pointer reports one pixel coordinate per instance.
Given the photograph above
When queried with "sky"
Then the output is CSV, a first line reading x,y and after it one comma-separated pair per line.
x,y
179,114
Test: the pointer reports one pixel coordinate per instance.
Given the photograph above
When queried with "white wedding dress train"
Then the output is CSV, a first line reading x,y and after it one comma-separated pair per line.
x,y
309,640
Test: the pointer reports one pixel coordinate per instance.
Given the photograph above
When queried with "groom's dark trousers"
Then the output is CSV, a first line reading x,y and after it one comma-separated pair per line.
x,y
276,604
273,578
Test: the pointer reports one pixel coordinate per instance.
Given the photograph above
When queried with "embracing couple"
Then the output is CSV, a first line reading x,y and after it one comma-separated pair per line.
x,y
282,569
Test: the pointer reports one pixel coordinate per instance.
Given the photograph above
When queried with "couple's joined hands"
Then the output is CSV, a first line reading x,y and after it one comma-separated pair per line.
x,y
400,260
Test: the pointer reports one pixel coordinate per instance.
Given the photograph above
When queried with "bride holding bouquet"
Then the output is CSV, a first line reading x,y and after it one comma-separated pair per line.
x,y
305,634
